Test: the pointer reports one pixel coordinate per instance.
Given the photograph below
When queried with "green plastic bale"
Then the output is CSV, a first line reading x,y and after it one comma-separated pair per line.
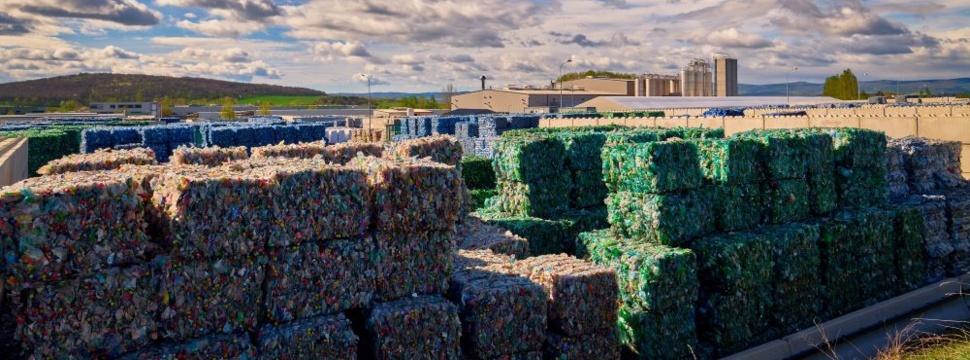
x,y
583,150
820,157
562,130
480,196
785,201
654,167
823,198
654,278
794,249
544,236
910,257
477,172
632,136
540,198
528,158
730,162
580,221
696,133
784,154
858,148
734,262
659,335
796,305
736,207
857,261
860,187
588,189
670,219
735,322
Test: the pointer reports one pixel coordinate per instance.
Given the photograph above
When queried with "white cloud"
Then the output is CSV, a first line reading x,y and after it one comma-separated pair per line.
x,y
221,28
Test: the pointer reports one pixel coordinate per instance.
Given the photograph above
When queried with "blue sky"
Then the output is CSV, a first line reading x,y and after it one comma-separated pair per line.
x,y
424,45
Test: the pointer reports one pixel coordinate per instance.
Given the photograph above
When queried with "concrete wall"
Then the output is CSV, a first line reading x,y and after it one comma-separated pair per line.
x,y
13,160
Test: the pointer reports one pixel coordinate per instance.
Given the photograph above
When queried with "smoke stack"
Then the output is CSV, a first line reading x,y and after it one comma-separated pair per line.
x,y
483,82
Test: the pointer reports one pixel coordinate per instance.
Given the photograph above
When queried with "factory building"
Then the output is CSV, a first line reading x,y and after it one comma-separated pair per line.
x,y
659,85
696,79
513,99
725,76
126,108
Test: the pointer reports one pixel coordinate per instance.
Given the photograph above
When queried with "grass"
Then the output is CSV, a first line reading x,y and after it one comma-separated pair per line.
x,y
280,100
954,344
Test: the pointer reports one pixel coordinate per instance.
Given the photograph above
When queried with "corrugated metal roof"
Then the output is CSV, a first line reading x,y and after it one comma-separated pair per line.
x,y
680,102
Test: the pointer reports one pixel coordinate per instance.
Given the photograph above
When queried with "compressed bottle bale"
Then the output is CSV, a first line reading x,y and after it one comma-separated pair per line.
x,y
302,151
319,278
212,212
633,136
654,335
582,296
794,249
796,305
697,133
731,162
540,198
72,224
477,172
857,260
910,255
204,297
500,313
441,148
930,164
580,221
235,346
526,159
324,337
736,207
211,156
96,138
858,148
412,328
412,263
477,259
958,213
473,234
602,344
859,188
466,129
651,278
734,322
106,159
785,201
588,189
654,167
413,195
734,262
670,219
784,154
366,135
480,197
935,234
897,182
106,314
822,195
544,236
583,150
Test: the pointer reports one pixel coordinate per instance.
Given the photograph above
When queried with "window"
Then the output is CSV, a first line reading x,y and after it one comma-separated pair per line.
x,y
112,106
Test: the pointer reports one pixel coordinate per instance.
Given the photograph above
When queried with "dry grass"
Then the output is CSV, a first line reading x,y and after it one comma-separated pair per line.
x,y
954,344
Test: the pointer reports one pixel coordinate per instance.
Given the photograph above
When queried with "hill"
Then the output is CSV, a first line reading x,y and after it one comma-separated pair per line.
x,y
86,88
949,87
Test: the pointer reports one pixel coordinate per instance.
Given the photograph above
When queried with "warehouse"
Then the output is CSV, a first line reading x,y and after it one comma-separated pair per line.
x,y
518,100
631,103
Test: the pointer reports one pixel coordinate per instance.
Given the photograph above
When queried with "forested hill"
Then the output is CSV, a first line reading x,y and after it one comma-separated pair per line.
x,y
86,88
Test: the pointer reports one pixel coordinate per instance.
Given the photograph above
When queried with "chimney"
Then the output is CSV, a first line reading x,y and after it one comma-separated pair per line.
x,y
483,82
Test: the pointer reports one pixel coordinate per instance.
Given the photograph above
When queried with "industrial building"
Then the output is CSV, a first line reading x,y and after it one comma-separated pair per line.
x,y
695,79
725,76
527,99
639,103
125,108
659,85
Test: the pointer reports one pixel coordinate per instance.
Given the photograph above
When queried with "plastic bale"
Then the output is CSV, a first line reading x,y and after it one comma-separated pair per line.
x,y
935,234
651,278
633,136
540,198
441,148
477,172
582,296
212,212
500,313
784,154
732,161
235,346
544,236
480,197
96,138
588,189
697,133
106,314
958,213
734,262
859,188
583,150
736,207
603,344
670,219
858,148
325,337
466,129
897,182
479,259
526,159
298,151
473,234
734,322
106,159
412,263
211,156
796,305
660,335
60,226
320,278
413,195
910,256
796,283
929,164
580,221
654,167
412,328
785,201
203,297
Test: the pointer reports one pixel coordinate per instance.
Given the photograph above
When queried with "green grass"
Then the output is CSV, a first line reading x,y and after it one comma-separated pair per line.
x,y
280,100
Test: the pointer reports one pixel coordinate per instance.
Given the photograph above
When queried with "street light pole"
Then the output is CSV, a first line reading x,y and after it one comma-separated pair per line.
x,y
369,110
560,80
858,87
787,83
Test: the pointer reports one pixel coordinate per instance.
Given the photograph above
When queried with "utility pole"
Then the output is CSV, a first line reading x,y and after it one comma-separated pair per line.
x,y
370,111
787,82
560,80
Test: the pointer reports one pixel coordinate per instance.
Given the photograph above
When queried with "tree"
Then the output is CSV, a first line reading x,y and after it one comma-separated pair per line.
x,y
264,109
844,86
167,105
433,103
227,112
446,94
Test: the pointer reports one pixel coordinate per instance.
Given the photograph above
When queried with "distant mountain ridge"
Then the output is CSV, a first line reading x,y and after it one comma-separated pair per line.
x,y
86,88
801,88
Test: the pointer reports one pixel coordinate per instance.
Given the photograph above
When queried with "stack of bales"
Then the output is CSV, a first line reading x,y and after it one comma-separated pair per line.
x,y
785,191
105,159
443,149
210,156
860,167
366,135
164,139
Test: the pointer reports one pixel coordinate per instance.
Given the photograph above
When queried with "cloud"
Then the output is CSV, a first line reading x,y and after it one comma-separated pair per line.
x,y
246,10
732,38
340,50
618,40
125,12
10,25
230,55
221,28
363,79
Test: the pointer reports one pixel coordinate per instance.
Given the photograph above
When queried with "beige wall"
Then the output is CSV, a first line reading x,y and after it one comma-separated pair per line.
x,y
619,87
13,160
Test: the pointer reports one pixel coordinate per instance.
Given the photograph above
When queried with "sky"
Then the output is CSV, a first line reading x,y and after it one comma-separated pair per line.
x,y
425,45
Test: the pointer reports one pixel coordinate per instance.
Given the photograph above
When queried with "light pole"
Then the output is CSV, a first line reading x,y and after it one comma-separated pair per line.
x,y
858,87
787,93
560,79
369,110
